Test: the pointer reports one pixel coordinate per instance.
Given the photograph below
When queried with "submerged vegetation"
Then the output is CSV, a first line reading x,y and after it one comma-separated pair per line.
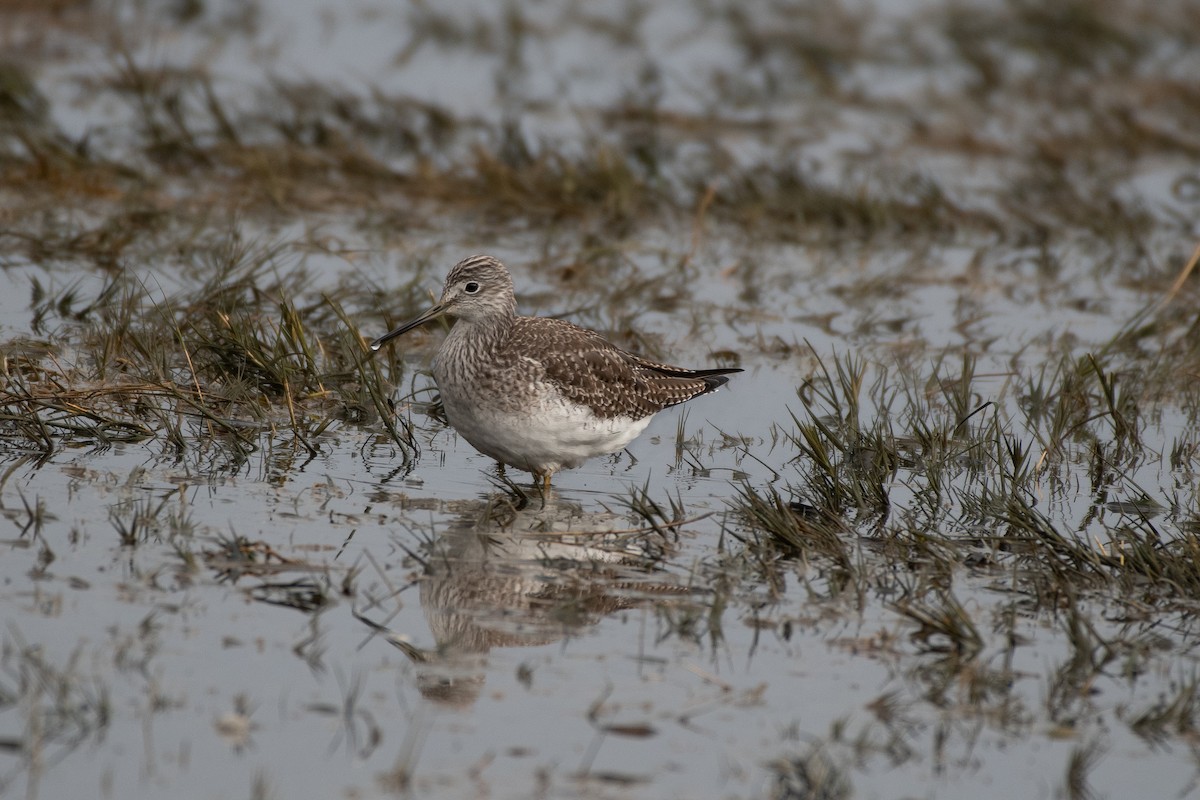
x,y
955,250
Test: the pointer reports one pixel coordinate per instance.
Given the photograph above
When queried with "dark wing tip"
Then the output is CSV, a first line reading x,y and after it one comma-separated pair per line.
x,y
713,382
697,383
683,372
714,378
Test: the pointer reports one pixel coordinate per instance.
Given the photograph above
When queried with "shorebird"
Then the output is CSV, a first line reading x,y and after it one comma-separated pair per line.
x,y
541,394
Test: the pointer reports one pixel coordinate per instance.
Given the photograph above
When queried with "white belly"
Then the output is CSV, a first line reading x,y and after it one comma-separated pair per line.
x,y
543,437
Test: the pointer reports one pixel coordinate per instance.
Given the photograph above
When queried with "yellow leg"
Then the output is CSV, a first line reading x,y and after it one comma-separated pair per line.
x,y
546,483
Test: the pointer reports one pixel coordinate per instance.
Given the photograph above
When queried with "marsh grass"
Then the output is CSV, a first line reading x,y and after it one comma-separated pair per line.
x,y
244,351
302,146
899,471
916,494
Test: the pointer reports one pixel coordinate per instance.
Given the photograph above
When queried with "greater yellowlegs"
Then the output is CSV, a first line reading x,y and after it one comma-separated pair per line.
x,y
541,394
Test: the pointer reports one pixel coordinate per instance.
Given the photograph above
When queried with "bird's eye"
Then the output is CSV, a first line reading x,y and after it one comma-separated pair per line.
x,y
471,288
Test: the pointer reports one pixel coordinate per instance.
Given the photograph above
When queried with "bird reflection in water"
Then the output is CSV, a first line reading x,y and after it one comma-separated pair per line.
x,y
488,587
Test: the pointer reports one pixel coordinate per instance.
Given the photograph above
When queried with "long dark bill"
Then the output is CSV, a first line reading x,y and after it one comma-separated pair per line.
x,y
431,314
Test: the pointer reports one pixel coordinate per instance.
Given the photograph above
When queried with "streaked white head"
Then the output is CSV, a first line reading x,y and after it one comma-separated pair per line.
x,y
477,289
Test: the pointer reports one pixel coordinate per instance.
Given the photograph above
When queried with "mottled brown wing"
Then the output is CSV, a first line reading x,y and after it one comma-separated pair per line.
x,y
613,383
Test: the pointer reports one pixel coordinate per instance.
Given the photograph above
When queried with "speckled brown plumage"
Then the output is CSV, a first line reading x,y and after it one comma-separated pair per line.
x,y
612,382
536,393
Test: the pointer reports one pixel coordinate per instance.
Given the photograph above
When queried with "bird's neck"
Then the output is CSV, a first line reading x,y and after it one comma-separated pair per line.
x,y
483,334
472,343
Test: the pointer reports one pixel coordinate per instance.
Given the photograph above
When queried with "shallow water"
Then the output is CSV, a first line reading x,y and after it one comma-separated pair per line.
x,y
277,622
